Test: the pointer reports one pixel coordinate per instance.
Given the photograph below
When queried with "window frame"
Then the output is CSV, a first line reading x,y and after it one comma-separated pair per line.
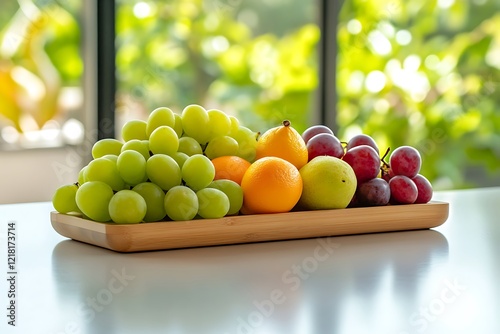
x,y
327,90
105,56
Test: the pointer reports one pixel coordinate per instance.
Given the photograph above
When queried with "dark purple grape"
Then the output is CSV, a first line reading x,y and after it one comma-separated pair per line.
x,y
354,202
375,192
324,144
362,139
365,162
315,130
405,160
424,188
403,190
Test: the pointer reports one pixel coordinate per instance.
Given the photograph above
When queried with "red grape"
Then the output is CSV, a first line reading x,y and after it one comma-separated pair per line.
x,y
362,139
324,144
365,162
405,160
315,130
374,192
424,189
388,174
403,190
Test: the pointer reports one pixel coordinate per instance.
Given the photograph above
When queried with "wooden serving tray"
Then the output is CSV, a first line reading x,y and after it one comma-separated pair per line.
x,y
250,228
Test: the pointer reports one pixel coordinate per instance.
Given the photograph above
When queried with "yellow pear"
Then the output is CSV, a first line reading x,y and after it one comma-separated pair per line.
x,y
328,183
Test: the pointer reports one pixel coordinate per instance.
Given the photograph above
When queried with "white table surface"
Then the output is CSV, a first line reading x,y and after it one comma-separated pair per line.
x,y
444,280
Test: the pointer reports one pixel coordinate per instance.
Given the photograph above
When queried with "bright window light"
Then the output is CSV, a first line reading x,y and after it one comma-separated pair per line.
x,y
379,43
354,26
142,10
375,81
403,37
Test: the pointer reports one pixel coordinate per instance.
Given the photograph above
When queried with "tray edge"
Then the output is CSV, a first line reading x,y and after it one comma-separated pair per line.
x,y
134,238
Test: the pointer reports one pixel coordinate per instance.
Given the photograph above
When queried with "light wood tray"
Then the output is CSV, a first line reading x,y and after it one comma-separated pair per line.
x,y
250,228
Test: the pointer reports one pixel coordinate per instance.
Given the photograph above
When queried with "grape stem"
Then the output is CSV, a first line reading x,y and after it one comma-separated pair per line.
x,y
384,168
382,159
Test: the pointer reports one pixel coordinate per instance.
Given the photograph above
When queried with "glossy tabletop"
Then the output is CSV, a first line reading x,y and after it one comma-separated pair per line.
x,y
443,280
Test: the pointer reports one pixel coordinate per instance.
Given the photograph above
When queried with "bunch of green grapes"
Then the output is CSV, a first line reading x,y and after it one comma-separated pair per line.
x,y
161,170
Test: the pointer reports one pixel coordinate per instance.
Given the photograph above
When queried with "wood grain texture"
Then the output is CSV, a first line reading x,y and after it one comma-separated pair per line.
x,y
250,228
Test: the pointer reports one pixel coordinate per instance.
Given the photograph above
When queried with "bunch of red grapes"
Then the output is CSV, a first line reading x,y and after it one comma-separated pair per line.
x,y
379,182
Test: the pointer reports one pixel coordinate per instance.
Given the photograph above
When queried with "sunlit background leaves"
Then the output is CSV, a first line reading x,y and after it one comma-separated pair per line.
x,y
421,73
234,55
425,73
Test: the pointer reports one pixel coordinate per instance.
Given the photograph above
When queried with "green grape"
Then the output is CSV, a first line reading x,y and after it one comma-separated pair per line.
x,y
195,123
106,146
178,125
163,140
164,171
181,203
220,146
189,146
127,207
154,197
212,203
198,171
180,158
134,129
141,146
93,198
233,191
81,176
104,170
218,122
64,199
160,117
111,157
235,124
145,144
132,167
247,141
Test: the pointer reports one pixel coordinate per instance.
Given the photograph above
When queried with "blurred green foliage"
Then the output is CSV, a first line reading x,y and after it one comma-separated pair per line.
x,y
409,72
228,54
420,73
39,55
425,74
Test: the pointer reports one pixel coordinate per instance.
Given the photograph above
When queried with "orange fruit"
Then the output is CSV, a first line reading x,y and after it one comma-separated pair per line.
x,y
283,142
230,167
271,185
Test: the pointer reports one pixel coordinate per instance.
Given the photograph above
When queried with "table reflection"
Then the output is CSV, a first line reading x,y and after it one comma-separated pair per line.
x,y
323,285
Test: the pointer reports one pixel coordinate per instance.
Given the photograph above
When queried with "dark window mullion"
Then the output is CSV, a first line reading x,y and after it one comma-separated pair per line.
x,y
106,79
328,62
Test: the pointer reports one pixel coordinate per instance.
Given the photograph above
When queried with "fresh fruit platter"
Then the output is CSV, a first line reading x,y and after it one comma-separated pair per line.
x,y
200,178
